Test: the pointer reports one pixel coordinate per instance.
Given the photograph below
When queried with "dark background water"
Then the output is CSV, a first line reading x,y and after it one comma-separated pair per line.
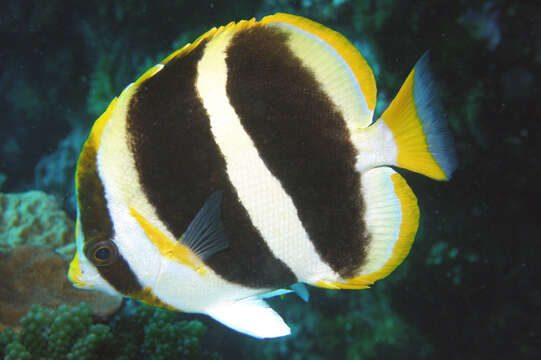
x,y
470,289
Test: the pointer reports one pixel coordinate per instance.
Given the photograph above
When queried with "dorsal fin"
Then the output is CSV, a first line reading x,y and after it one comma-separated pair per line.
x,y
339,67
205,235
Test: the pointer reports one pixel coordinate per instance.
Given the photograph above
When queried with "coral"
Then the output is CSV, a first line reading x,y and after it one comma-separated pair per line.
x,y
32,227
143,332
163,336
69,333
33,218
33,274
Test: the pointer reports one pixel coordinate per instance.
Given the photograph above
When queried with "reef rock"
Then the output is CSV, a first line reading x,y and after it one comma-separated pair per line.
x,y
36,240
35,218
37,275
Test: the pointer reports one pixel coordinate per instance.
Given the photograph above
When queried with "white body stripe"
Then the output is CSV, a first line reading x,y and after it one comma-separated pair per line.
x,y
332,73
90,277
117,165
383,216
375,146
117,170
270,208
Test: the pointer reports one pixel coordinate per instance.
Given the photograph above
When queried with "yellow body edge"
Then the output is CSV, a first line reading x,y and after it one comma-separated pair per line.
x,y
90,149
148,297
75,275
232,26
92,143
170,248
406,236
337,41
341,45
185,50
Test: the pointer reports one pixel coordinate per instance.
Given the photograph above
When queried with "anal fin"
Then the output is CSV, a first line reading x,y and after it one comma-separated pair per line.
x,y
253,317
301,290
298,288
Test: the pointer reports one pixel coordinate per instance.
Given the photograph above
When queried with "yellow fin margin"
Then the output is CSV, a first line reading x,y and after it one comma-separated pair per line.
x,y
90,147
408,229
148,297
232,26
171,249
341,45
75,274
189,47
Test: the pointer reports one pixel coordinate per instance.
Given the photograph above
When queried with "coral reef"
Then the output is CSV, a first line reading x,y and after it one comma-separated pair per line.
x,y
34,218
69,333
36,239
144,332
37,275
472,277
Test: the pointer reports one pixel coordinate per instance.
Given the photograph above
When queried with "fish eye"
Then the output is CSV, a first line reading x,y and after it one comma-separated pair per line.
x,y
102,253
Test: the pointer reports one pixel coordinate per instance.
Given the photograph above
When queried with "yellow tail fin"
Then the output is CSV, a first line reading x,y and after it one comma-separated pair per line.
x,y
414,117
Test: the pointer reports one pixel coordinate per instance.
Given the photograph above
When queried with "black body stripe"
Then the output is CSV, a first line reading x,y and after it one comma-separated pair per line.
x,y
303,140
180,165
96,223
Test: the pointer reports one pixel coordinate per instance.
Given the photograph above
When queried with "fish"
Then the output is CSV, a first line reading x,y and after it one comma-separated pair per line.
x,y
247,165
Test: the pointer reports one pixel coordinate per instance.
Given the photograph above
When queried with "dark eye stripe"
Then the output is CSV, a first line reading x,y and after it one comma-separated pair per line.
x,y
102,252
95,219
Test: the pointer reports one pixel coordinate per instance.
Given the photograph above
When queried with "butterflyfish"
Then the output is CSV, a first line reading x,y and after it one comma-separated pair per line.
x,y
247,164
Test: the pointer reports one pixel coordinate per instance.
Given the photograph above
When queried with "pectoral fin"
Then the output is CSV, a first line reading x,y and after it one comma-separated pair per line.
x,y
205,235
301,290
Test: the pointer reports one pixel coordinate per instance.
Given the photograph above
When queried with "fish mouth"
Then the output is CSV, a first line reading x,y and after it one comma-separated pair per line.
x,y
75,275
